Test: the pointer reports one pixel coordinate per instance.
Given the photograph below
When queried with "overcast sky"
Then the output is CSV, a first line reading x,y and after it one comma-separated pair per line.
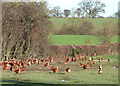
x,y
111,5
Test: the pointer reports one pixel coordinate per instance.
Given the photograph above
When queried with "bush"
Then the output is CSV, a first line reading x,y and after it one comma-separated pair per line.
x,y
83,29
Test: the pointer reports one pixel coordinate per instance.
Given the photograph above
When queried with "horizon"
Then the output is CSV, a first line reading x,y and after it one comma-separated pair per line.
x,y
110,9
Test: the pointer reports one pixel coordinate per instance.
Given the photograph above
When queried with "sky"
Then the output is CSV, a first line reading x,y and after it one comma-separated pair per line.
x,y
111,5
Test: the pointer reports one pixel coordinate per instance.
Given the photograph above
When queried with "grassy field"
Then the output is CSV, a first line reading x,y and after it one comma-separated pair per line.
x,y
42,75
97,22
78,39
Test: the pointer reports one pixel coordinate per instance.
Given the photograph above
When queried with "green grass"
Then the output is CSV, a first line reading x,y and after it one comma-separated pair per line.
x,y
77,75
97,22
77,40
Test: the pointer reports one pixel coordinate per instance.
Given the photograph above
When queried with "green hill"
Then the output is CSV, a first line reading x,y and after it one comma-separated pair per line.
x,y
97,22
78,40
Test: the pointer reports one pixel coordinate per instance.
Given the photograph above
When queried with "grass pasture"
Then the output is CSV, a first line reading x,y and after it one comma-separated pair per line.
x,y
97,22
38,74
78,40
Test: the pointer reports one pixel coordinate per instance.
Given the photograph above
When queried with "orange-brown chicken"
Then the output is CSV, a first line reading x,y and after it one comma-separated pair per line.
x,y
55,70
68,70
85,67
23,68
17,71
47,64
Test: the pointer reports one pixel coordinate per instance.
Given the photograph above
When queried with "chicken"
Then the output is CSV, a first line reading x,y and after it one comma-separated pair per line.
x,y
82,58
12,68
68,60
72,59
55,70
43,60
51,59
75,60
5,68
65,62
85,67
47,60
29,63
23,68
85,58
100,59
17,71
52,67
68,70
100,71
90,65
47,64
80,64
100,67
39,62
20,69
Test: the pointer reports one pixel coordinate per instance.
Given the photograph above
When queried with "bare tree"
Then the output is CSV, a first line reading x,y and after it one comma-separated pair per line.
x,y
78,12
92,8
66,12
56,11
116,15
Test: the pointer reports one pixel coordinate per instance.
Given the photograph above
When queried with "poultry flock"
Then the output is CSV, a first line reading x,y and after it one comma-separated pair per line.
x,y
19,66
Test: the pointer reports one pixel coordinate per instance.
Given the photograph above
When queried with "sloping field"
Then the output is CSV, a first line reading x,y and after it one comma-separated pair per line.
x,y
97,22
78,40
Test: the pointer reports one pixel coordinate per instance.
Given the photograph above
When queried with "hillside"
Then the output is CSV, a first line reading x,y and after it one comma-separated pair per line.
x,y
97,22
78,40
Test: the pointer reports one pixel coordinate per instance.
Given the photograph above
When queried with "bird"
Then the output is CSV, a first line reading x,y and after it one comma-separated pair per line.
x,y
68,70
85,67
5,68
12,68
72,59
43,60
90,65
47,64
100,67
65,62
100,71
68,60
85,58
51,67
55,70
29,63
39,62
47,60
80,64
17,71
23,68
75,60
